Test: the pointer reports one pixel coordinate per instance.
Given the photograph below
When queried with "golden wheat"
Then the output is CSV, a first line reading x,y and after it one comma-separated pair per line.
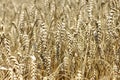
x,y
60,40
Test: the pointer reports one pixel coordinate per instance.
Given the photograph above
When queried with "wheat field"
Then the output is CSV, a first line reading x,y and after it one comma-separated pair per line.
x,y
59,39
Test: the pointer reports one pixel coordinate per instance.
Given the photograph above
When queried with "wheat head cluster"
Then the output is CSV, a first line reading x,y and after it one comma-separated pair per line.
x,y
59,39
